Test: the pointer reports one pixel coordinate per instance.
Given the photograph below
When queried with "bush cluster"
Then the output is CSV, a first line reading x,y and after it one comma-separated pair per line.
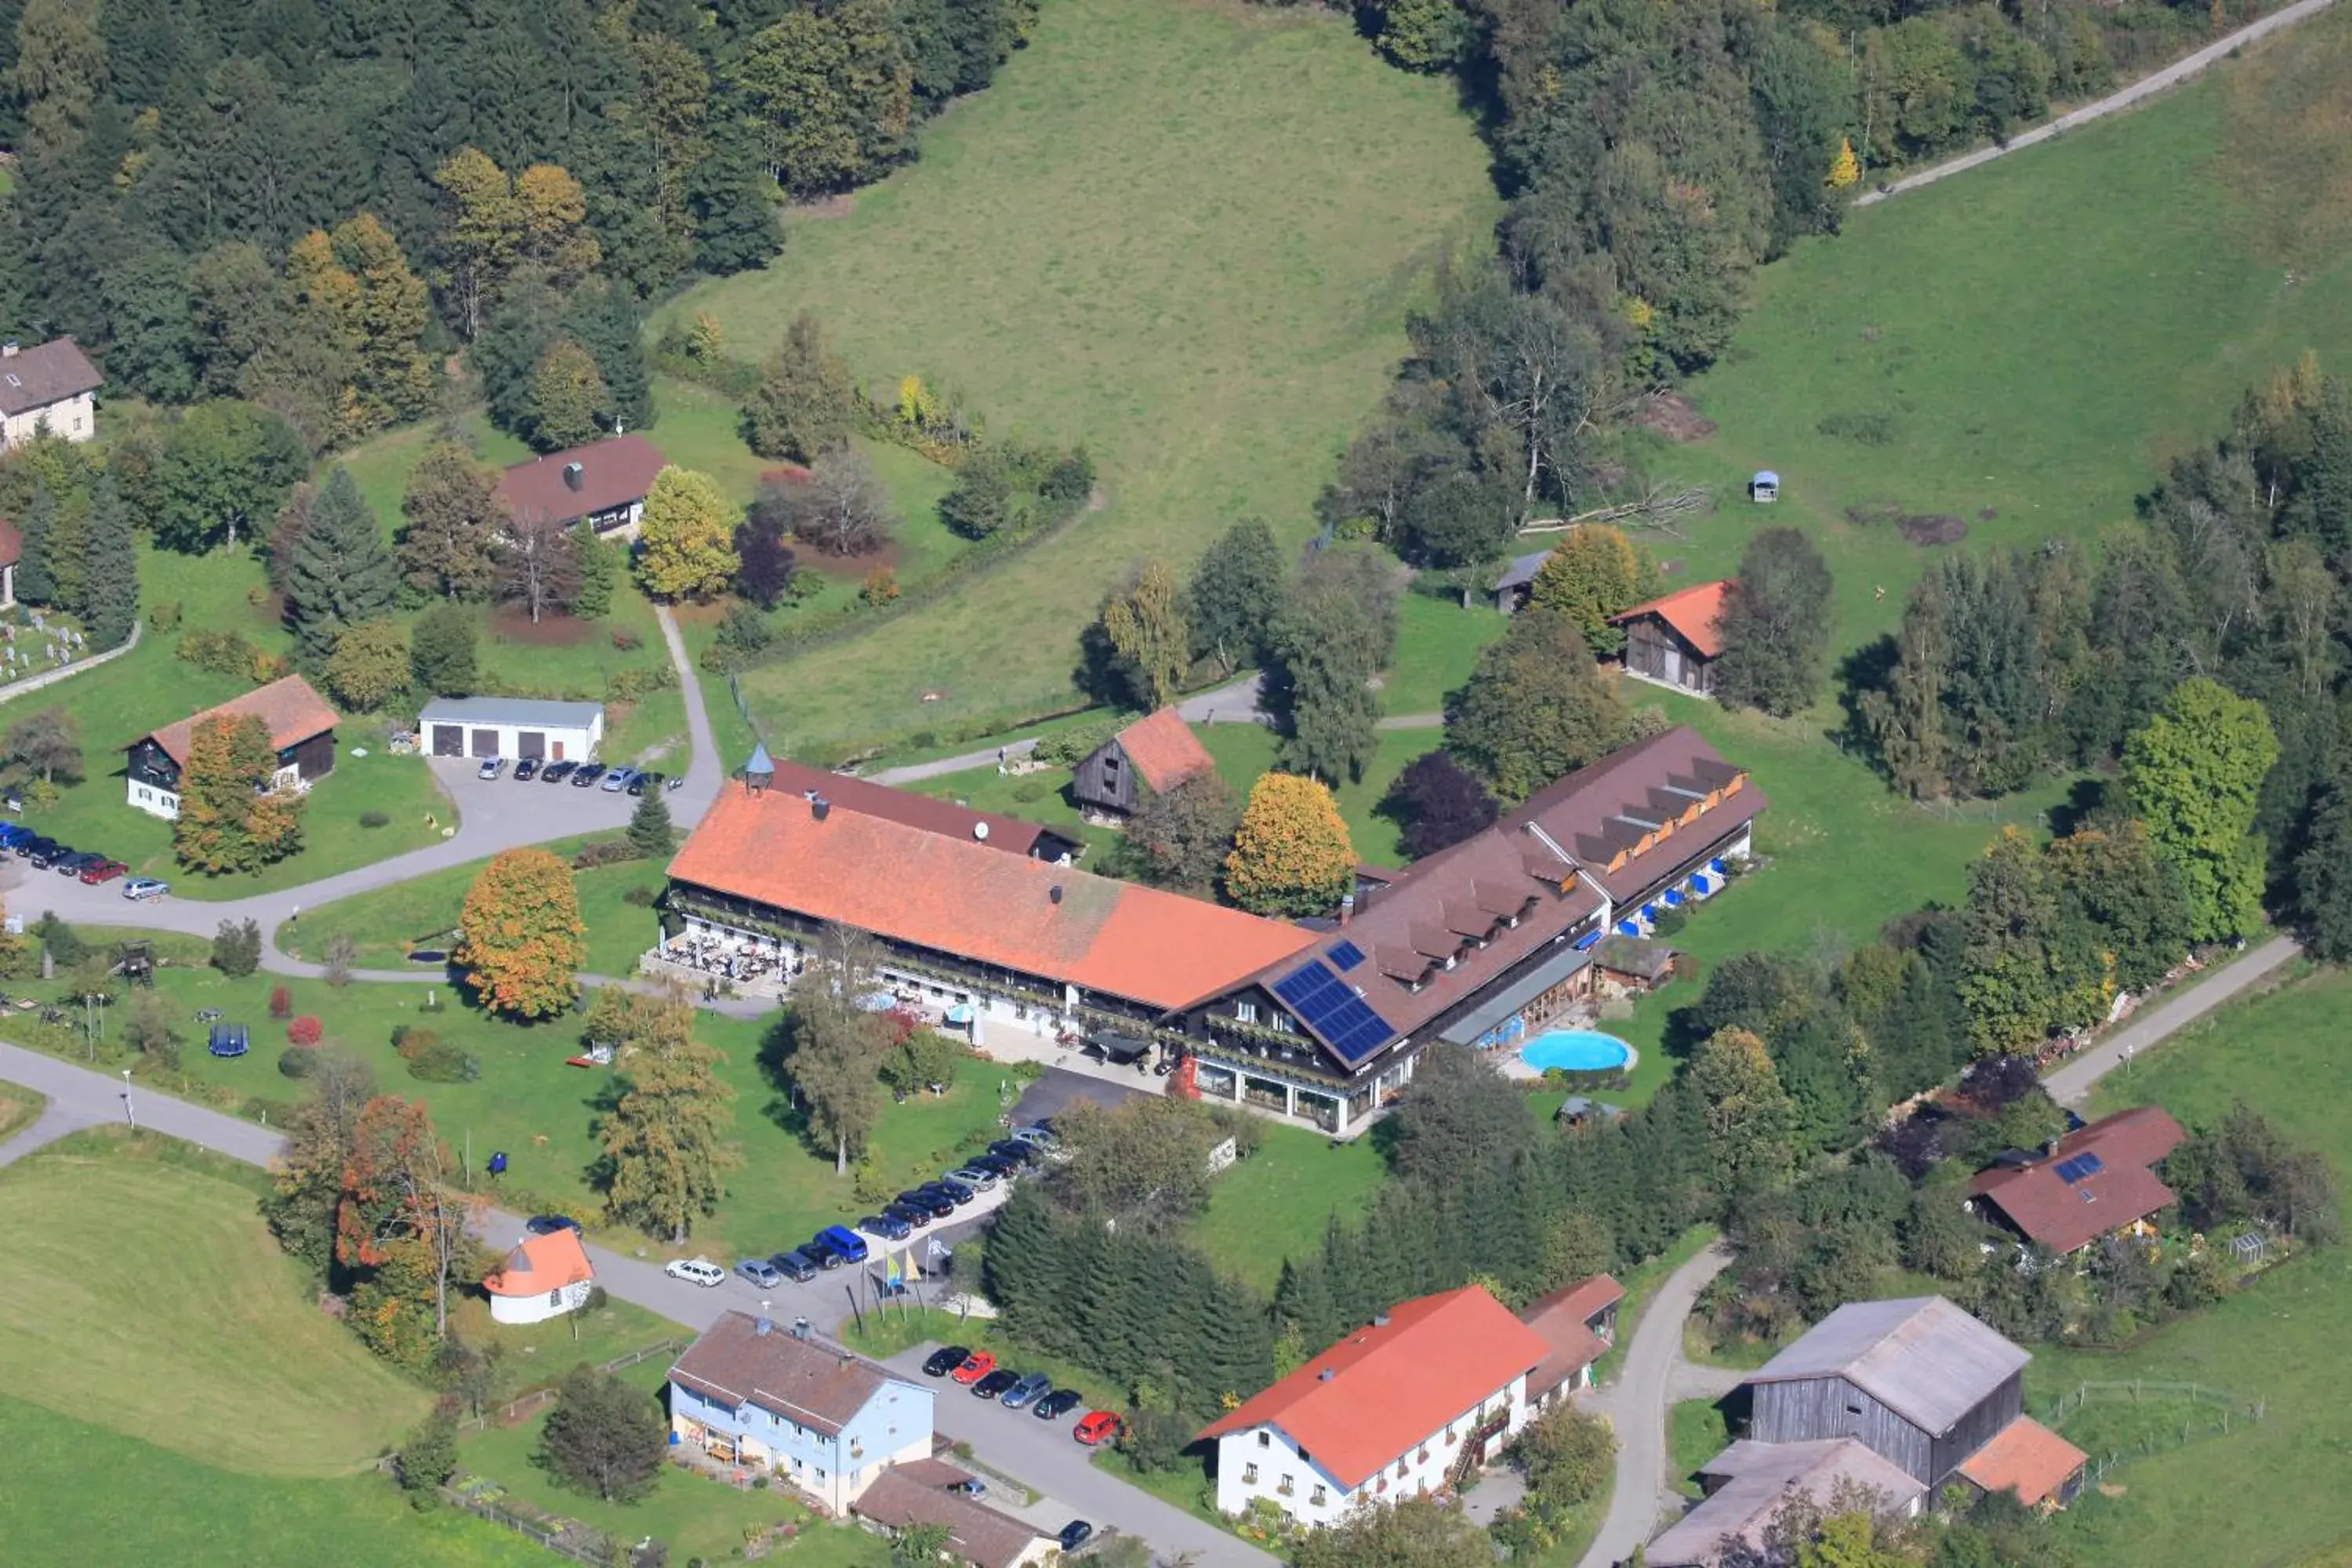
x,y
306,1030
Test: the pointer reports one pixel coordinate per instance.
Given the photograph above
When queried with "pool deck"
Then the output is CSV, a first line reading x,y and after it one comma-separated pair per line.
x,y
1512,1066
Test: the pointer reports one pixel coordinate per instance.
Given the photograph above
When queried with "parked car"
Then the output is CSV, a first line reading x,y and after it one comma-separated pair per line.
x,y
955,1190
819,1251
995,1382
938,1206
74,863
996,1165
1017,1152
845,1241
1076,1534
140,888
33,844
971,1487
975,1178
549,1224
556,773
696,1271
491,768
104,871
760,1272
526,768
795,1265
944,1360
914,1218
890,1227
1058,1404
618,780
1042,1137
647,779
1097,1429
12,834
47,852
976,1365
586,774
1028,1391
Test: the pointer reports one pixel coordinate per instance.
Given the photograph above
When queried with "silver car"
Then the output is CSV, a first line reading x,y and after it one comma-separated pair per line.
x,y
140,888
979,1181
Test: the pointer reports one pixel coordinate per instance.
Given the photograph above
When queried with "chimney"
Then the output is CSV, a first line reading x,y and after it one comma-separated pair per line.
x,y
10,349
574,476
820,807
800,1329
1380,1319
761,1327
980,831
1326,1375
1347,909
1056,894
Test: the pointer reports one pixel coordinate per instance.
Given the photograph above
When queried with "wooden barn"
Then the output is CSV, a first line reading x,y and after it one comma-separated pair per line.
x,y
1158,753
301,731
1676,640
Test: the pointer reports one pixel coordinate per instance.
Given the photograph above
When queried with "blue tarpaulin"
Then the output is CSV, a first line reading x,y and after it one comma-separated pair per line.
x,y
1590,940
1673,899
1629,928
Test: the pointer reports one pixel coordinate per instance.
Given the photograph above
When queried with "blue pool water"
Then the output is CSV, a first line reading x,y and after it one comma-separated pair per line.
x,y
1576,1050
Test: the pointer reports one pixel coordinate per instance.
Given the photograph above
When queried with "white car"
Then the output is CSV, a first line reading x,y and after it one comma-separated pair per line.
x,y
140,888
696,1271
491,768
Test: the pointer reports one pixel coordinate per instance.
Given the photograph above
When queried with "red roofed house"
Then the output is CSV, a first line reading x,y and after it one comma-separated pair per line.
x,y
1413,1403
2094,1180
1158,753
1676,641
301,728
606,483
544,1276
1580,1323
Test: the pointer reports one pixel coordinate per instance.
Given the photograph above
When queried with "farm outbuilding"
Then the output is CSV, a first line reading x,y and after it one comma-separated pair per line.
x,y
544,1276
512,727
1765,488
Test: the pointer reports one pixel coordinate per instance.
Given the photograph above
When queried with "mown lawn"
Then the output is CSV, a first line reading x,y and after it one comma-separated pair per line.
x,y
141,1291
1158,234
1696,1433
1276,1204
1043,796
19,1109
1243,751
2281,1491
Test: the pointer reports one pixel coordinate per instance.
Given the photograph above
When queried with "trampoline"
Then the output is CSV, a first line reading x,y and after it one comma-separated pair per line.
x,y
228,1040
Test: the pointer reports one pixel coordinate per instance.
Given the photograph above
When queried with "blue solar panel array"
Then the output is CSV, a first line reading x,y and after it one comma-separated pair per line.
x,y
1333,1011
2081,1165
1345,956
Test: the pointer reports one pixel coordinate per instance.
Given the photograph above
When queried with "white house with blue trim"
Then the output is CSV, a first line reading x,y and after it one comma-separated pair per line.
x,y
759,1396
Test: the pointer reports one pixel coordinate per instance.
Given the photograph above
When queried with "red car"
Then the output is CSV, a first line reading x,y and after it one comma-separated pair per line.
x,y
977,1365
1099,1427
104,871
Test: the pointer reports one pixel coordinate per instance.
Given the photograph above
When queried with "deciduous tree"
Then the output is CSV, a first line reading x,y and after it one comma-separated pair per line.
x,y
441,651
1751,1123
666,1137
1460,1115
830,94
1336,630
1234,593
1185,831
226,823
1414,1532
520,939
831,1049
1291,853
1439,804
369,667
341,574
1143,621
453,514
567,398
687,543
400,1208
1148,1161
226,465
1776,625
1594,572
808,402
2194,774
604,1437
537,565
840,507
46,745
1535,708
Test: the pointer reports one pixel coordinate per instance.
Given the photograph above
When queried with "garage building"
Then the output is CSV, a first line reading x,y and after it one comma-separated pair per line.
x,y
512,727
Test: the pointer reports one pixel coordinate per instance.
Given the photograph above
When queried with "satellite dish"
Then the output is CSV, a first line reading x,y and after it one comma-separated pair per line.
x,y
980,831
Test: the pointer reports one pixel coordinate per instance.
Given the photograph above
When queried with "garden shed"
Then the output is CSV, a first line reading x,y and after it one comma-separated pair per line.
x,y
512,727
1765,488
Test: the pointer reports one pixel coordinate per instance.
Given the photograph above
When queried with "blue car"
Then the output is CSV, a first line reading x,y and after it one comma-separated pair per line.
x,y
12,834
845,1241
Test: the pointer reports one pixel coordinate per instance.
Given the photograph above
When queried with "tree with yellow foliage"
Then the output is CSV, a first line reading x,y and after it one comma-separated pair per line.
x,y
688,537
1594,572
1291,855
1845,170
520,939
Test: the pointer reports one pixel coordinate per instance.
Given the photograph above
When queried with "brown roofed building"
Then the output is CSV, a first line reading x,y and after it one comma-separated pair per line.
x,y
1676,639
1749,1484
1579,1322
605,481
1012,835
301,730
923,1491
2097,1179
770,1400
1154,753
48,388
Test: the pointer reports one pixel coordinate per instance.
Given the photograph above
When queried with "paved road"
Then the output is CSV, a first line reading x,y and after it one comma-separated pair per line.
x,y
1636,1404
55,1121
1044,1455
2179,71
939,767
2072,1083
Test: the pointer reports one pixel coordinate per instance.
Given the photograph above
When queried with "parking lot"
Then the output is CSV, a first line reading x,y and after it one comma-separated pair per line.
x,y
489,805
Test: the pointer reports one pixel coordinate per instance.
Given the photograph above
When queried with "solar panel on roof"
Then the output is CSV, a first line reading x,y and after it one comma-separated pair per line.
x,y
1333,1011
1346,956
2090,1165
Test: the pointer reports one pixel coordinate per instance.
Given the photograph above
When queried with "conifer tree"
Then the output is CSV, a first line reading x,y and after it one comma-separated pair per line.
x,y
342,573
650,829
110,572
36,583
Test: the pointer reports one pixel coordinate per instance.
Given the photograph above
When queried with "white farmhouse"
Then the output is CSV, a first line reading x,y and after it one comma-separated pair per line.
x,y
1417,1401
50,387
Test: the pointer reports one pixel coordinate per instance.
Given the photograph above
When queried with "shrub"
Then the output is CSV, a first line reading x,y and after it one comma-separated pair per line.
x,y
626,640
409,1042
642,897
1028,790
296,1062
165,617
237,948
881,586
306,1030
374,819
441,1062
281,1006
603,852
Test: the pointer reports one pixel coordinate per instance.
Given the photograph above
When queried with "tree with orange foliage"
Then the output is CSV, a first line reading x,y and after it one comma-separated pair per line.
x,y
227,822
520,939
402,1227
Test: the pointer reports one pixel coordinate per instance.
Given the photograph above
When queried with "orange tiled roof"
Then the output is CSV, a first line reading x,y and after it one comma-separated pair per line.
x,y
540,1264
959,897
292,711
1394,1384
1692,612
1163,750
2025,1457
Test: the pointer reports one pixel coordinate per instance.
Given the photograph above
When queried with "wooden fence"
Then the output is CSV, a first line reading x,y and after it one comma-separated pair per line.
x,y
523,1405
2200,1411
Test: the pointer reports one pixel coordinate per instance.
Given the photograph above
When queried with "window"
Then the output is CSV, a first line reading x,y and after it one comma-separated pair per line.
x,y
1286,1486
1265,1439
1321,1495
1249,1475
1400,1469
1449,1434
1245,1011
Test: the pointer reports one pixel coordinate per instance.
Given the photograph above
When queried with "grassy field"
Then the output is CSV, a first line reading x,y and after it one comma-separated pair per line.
x,y
1245,751
1696,1433
19,1109
142,1292
1157,234
1276,1204
2279,1491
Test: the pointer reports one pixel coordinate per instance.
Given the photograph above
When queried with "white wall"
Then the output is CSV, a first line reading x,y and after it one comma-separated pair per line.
x,y
539,1308
75,418
1278,1458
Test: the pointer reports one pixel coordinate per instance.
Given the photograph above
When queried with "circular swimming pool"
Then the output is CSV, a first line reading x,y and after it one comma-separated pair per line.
x,y
1576,1050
